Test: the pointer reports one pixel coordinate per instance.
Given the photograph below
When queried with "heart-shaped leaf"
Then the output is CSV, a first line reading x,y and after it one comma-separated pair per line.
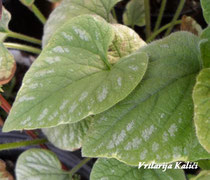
x,y
206,10
155,122
7,65
68,136
27,2
71,8
112,169
134,13
39,164
70,81
201,97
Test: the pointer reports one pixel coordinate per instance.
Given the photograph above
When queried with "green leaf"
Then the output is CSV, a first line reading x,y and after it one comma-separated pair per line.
x,y
155,122
39,164
134,13
205,52
71,8
112,169
205,47
7,65
205,4
27,2
68,136
203,175
201,97
70,81
204,164
6,17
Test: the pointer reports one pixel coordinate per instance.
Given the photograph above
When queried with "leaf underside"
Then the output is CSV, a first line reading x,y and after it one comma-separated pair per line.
x,y
134,13
155,122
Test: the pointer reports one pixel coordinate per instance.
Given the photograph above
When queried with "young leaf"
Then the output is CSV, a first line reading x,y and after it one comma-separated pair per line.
x,y
112,169
189,24
155,122
201,97
7,65
124,43
70,81
71,8
134,13
4,22
39,164
68,136
206,10
27,2
205,47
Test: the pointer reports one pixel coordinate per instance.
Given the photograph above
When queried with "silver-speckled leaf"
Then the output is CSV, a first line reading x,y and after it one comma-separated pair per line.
x,y
155,122
68,136
71,8
70,80
39,164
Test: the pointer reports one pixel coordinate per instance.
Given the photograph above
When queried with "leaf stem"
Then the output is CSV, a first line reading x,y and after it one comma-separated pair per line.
x,y
23,37
160,15
23,48
14,145
114,13
161,30
78,166
4,104
147,18
38,13
176,16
